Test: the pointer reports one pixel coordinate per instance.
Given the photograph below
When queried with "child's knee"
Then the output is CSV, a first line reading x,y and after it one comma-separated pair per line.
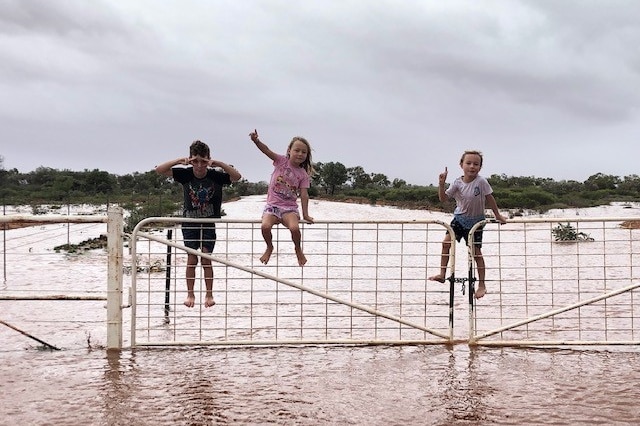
x,y
294,227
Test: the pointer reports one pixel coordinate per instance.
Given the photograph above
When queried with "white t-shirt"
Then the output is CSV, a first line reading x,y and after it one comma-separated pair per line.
x,y
470,198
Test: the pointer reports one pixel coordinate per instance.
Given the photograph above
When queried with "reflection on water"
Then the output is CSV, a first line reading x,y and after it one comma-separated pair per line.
x,y
320,385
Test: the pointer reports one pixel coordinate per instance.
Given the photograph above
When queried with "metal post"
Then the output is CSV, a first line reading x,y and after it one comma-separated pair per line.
x,y
115,232
4,243
167,287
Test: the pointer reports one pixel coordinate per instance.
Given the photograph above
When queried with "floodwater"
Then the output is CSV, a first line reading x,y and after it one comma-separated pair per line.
x,y
312,385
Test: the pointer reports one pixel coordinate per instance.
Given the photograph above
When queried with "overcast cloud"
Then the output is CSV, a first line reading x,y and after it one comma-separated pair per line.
x,y
545,88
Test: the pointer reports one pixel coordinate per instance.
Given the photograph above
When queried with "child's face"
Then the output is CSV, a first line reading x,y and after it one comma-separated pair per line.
x,y
199,165
471,164
298,153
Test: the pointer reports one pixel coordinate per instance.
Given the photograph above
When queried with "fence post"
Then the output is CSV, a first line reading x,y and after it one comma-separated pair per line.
x,y
167,285
115,232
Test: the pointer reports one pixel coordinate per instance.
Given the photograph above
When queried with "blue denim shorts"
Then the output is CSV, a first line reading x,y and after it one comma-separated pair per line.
x,y
199,236
463,232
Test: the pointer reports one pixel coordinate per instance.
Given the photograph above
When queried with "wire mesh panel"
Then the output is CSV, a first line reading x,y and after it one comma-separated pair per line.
x,y
559,281
54,276
364,282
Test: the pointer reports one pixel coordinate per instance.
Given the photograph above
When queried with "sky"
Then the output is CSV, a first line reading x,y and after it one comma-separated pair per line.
x,y
543,88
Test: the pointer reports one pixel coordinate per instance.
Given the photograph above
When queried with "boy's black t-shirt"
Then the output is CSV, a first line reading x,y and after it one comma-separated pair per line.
x,y
202,197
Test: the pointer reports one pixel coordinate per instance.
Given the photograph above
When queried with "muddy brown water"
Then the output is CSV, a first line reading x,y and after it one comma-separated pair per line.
x,y
83,384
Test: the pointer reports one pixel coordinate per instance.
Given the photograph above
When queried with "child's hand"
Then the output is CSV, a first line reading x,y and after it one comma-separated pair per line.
x,y
254,136
307,218
442,178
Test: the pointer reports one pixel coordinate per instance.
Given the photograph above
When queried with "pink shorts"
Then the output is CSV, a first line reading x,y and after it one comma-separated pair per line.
x,y
279,212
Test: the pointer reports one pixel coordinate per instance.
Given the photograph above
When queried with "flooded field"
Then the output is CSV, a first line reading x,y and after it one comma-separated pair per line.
x,y
82,383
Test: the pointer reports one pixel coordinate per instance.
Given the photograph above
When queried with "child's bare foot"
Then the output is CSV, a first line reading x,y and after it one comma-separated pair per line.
x,y
439,278
190,301
267,255
302,260
481,291
208,301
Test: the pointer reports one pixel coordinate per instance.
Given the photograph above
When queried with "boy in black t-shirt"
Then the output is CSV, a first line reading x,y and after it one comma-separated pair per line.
x,y
202,186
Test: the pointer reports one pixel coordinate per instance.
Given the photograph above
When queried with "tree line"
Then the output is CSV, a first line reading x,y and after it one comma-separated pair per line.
x,y
332,180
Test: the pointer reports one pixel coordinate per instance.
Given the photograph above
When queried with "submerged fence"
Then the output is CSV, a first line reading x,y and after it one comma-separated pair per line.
x,y
367,282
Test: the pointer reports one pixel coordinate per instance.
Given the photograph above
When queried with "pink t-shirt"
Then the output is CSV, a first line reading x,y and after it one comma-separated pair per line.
x,y
285,184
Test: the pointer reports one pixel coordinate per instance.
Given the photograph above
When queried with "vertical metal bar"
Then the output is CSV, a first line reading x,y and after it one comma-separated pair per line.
x,y
115,228
68,224
4,244
167,284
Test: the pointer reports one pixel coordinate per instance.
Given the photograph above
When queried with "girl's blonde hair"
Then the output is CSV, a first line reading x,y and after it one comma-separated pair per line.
x,y
306,164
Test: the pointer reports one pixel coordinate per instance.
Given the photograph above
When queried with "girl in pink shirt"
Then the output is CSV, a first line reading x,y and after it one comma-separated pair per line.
x,y
290,179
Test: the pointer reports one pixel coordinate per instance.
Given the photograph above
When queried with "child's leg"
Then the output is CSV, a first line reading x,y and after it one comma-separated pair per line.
x,y
291,221
208,280
192,261
482,289
268,221
444,260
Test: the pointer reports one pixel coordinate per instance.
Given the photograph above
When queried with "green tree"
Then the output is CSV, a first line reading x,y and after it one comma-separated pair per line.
x,y
380,180
334,175
399,183
630,183
601,181
358,178
3,173
62,186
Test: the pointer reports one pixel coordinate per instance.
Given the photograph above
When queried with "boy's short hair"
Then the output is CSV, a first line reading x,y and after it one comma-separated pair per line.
x,y
472,152
199,148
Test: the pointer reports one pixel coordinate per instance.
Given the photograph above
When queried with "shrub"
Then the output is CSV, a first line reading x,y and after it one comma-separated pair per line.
x,y
569,233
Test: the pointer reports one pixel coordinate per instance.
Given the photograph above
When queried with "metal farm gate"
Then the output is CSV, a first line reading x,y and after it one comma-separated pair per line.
x,y
551,282
367,282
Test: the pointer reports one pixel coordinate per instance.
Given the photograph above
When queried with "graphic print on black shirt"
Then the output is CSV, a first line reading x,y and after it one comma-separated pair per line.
x,y
201,198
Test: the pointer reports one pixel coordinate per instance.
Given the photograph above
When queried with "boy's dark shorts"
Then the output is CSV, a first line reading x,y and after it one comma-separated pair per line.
x,y
462,232
199,236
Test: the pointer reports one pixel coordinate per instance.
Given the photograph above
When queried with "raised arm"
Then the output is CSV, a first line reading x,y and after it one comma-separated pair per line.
x,y
164,169
230,170
261,146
